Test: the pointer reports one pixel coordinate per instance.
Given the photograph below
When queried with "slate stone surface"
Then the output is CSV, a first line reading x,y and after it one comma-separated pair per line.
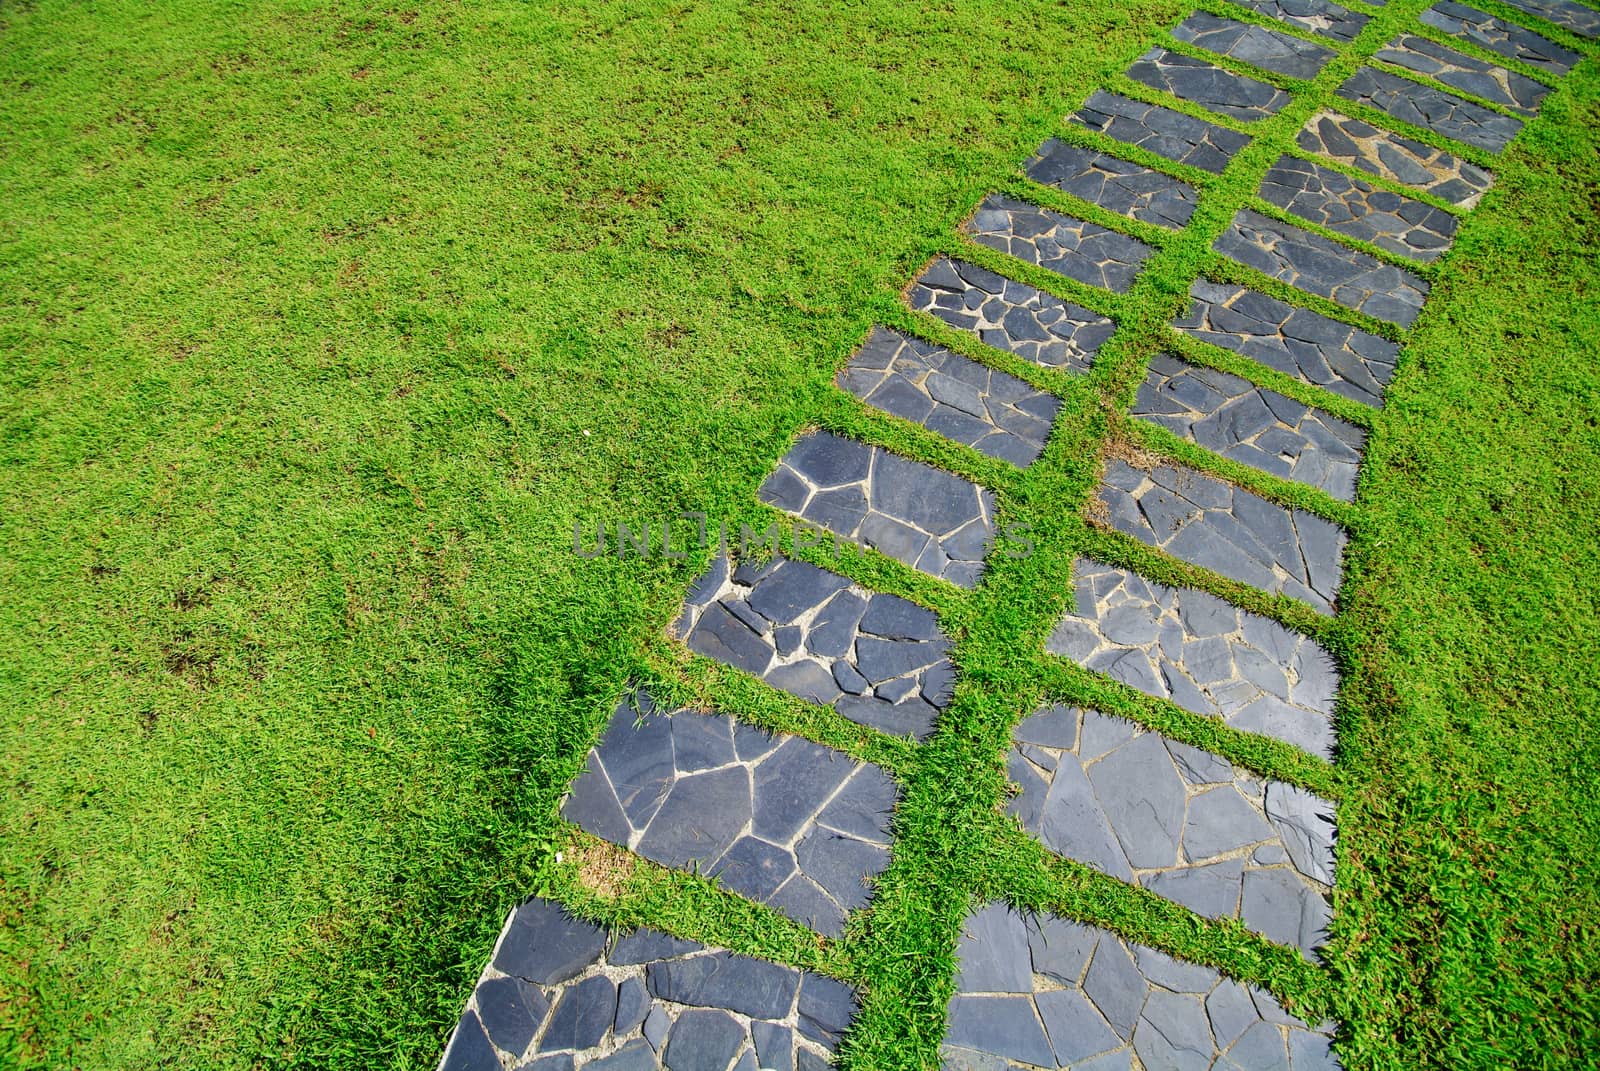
x,y
1318,16
1162,131
1500,37
1256,45
1319,266
876,658
995,414
1461,71
1065,245
1204,83
1041,991
1129,189
1181,822
1227,529
1573,17
1298,342
928,518
1204,654
1399,159
1359,209
1009,315
1258,427
1420,105
781,820
638,1002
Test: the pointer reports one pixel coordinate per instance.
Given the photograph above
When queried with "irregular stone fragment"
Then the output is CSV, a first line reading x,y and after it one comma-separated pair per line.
x,y
1359,209
1431,109
1270,50
1174,135
1211,87
1125,188
1500,37
1072,247
1399,159
1461,71
1318,16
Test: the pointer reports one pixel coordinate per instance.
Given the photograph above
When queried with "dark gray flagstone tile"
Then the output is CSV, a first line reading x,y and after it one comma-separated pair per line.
x,y
1162,131
1461,71
1126,188
1399,159
559,993
1318,16
876,658
1202,82
1010,316
1420,105
1573,17
1202,653
1215,525
778,819
1500,37
930,519
1041,991
1179,821
1359,209
1249,424
1319,266
1256,45
1079,250
994,413
1295,341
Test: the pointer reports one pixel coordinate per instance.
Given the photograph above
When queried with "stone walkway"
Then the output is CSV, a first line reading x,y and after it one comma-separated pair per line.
x,y
1378,189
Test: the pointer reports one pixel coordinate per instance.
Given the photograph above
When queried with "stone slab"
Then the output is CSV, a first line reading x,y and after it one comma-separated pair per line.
x,y
1126,188
1086,252
1443,113
1318,16
1271,50
1359,209
1174,135
1458,70
1203,83
1567,14
1500,37
1399,159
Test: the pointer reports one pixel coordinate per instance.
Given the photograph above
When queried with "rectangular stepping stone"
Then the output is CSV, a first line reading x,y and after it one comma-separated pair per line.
x,y
781,820
1204,83
1316,265
1202,653
1258,46
927,518
1167,133
1409,162
559,993
1500,37
1217,526
1010,316
1460,71
1249,424
1297,342
878,659
1572,17
1359,209
1420,105
1126,188
1071,247
1184,823
1318,16
1041,991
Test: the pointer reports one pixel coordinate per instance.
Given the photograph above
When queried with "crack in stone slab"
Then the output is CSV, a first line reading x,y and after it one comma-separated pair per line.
x,y
1202,653
1125,188
1181,822
1399,159
1165,132
1249,424
1500,37
1359,209
1203,83
1318,16
1461,71
561,994
1258,46
967,402
1011,316
1420,105
1573,17
1072,247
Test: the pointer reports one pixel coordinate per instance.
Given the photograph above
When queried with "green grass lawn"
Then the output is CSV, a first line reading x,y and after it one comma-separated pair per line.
x,y
321,328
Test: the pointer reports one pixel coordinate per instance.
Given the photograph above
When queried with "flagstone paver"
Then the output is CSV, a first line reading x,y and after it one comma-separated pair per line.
x,y
1165,132
927,518
995,414
1011,316
876,658
1181,822
1258,46
1323,267
1037,991
1215,525
1298,342
1204,83
560,994
1577,18
778,819
1500,37
1071,247
1126,188
1359,209
1461,71
1431,109
1318,16
1404,160
1202,653
1252,425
